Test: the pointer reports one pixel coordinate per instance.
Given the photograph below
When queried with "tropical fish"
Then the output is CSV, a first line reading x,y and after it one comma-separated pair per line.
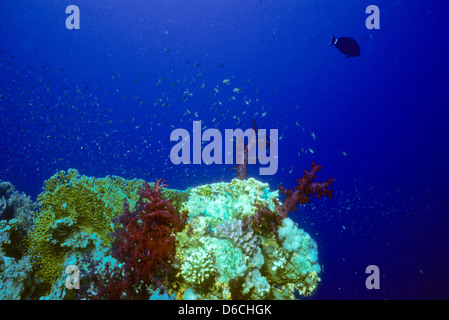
x,y
347,46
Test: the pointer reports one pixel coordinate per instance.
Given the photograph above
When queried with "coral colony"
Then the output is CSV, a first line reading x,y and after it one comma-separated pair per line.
x,y
136,240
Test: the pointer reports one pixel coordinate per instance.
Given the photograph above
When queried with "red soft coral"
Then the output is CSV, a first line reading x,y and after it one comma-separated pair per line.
x,y
304,190
145,243
265,220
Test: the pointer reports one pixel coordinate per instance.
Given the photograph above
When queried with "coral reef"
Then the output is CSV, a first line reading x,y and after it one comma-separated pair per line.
x,y
135,240
265,221
16,215
176,197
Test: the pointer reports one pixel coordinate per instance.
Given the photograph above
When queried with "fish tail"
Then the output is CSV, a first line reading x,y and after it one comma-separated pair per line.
x,y
333,40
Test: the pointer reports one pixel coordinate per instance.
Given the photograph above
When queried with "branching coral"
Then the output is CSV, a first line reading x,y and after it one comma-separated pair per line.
x,y
222,258
198,266
267,220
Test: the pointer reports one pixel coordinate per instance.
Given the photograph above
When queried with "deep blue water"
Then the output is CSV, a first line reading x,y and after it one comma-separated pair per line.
x,y
104,99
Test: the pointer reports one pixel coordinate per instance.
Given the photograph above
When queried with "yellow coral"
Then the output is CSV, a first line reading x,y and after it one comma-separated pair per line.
x,y
90,203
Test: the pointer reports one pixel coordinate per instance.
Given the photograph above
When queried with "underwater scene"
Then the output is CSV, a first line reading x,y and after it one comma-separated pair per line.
x,y
224,150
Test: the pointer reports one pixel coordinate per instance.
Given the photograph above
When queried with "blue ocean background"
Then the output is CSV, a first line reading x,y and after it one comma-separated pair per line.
x,y
104,99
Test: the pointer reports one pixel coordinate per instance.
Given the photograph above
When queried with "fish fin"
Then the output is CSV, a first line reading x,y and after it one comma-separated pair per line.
x,y
333,40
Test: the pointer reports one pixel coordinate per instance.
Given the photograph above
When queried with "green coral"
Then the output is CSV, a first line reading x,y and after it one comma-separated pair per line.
x,y
73,203
231,261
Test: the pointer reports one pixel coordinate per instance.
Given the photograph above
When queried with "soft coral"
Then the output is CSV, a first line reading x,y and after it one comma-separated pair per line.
x,y
304,190
266,220
145,243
